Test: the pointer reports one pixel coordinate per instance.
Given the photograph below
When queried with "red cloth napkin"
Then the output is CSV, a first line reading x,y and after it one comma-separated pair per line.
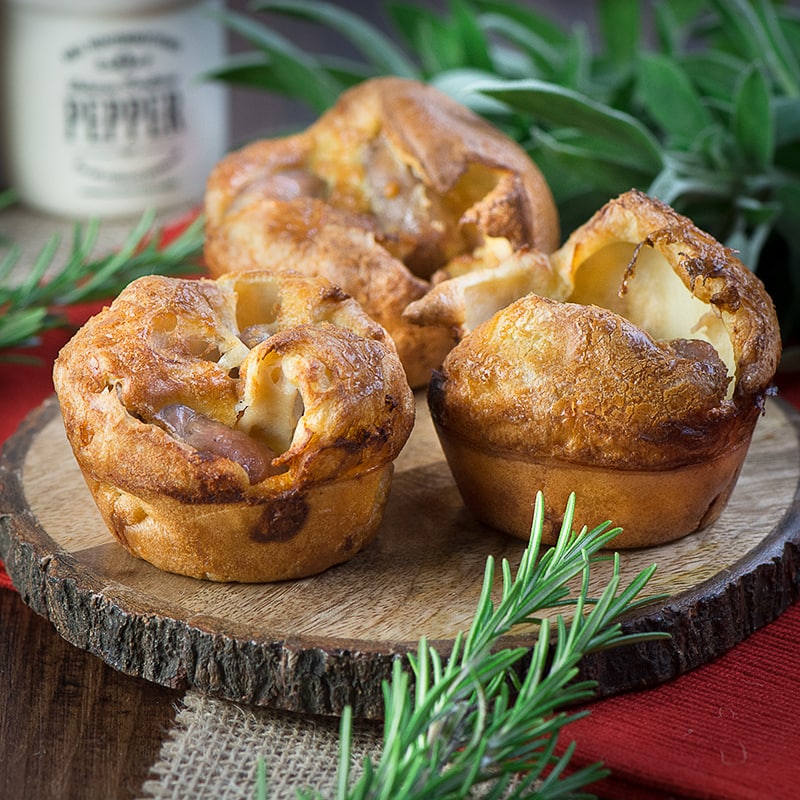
x,y
729,730
23,386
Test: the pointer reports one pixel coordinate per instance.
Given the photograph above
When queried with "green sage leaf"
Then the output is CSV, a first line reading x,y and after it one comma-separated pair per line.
x,y
476,51
346,71
460,84
787,121
670,98
782,53
292,71
576,64
555,105
433,42
537,24
753,119
755,33
620,26
668,29
248,69
713,72
545,57
595,166
788,195
379,49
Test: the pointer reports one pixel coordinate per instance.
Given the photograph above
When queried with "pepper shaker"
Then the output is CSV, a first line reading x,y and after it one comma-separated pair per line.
x,y
105,111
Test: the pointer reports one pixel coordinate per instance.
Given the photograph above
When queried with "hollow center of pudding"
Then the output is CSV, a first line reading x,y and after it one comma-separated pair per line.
x,y
257,303
652,296
263,424
422,227
272,406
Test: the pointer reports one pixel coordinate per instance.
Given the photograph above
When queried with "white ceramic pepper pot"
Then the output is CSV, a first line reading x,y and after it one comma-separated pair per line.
x,y
105,114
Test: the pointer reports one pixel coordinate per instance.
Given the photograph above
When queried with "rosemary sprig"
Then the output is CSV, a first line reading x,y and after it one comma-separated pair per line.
x,y
33,304
484,720
695,103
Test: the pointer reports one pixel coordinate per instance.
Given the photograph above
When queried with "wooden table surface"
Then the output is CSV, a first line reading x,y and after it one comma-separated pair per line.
x,y
71,726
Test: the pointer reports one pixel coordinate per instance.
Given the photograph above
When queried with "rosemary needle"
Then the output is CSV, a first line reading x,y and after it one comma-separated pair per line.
x,y
487,719
35,304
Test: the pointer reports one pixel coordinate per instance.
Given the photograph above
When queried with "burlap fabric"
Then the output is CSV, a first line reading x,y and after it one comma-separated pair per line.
x,y
215,746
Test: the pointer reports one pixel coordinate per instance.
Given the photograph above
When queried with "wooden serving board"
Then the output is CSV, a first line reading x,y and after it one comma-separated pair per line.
x,y
317,644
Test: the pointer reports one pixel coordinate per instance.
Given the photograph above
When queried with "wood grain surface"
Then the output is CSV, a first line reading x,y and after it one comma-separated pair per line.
x,y
318,644
71,726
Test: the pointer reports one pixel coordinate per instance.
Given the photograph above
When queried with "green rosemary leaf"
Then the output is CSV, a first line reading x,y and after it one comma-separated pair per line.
x,y
345,738
32,305
379,49
261,780
73,272
7,263
558,106
112,265
28,288
20,326
753,120
558,785
462,730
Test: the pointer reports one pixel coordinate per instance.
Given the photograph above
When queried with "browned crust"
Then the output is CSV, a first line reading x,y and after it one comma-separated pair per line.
x,y
281,537
569,396
651,506
710,271
167,341
441,138
310,236
399,196
581,384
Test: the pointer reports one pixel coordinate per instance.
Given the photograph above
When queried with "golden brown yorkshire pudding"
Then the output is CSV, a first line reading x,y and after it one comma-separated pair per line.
x,y
394,183
241,429
637,388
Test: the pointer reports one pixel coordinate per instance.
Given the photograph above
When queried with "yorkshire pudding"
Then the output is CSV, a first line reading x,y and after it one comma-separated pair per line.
x,y
241,429
394,183
637,386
